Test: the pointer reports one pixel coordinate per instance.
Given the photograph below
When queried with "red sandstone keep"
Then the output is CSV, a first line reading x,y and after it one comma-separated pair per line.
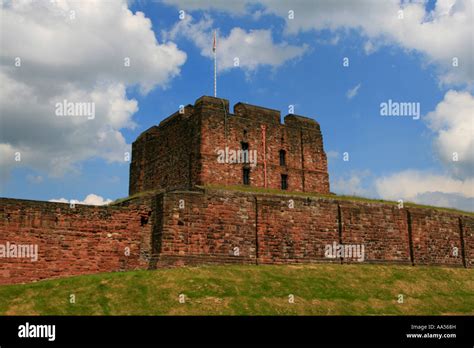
x,y
184,150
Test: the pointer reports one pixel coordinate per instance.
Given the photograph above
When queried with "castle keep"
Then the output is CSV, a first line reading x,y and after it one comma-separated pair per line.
x,y
256,150
188,205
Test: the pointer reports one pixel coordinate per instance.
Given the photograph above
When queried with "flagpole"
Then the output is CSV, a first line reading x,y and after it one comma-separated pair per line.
x,y
215,65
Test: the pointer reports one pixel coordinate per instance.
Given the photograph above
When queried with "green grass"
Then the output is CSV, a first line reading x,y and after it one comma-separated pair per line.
x,y
318,289
260,190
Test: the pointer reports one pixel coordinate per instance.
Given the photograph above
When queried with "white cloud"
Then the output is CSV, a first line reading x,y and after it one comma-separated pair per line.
x,y
253,48
351,93
369,47
441,35
427,188
416,186
78,59
453,123
353,184
409,183
440,199
91,199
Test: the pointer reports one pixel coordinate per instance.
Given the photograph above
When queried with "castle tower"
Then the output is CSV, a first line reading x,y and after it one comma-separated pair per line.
x,y
204,144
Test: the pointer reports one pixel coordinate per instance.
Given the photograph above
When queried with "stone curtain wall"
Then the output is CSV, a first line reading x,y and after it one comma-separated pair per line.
x,y
223,226
208,228
382,228
266,230
436,234
83,240
467,227
294,229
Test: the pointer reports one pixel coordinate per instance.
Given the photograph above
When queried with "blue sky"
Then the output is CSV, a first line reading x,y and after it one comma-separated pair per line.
x,y
295,61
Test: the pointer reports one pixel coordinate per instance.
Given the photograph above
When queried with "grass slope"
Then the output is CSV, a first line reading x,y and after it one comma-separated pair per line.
x,y
318,289
252,189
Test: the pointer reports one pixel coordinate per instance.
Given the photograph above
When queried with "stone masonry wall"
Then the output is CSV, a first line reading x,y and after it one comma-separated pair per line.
x,y
267,230
200,228
468,240
167,156
73,241
224,226
183,150
382,228
299,137
436,235
295,229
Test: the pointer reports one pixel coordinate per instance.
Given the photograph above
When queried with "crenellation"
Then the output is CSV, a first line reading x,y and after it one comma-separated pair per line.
x,y
257,113
297,121
207,103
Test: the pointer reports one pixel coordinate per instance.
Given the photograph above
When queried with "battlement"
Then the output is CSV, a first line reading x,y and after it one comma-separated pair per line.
x,y
297,121
254,112
257,113
251,112
207,102
186,112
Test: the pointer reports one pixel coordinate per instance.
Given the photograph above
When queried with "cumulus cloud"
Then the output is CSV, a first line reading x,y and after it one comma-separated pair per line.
x,y
453,124
418,186
354,183
440,199
80,52
351,93
443,35
427,188
409,183
91,199
241,48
